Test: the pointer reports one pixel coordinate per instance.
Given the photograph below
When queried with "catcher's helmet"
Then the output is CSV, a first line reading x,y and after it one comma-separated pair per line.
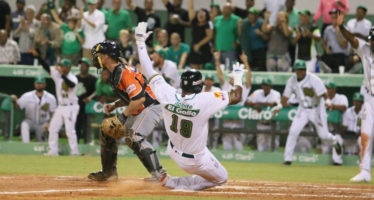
x,y
371,34
192,81
107,47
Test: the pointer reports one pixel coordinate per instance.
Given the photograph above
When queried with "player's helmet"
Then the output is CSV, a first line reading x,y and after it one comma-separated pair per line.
x,y
371,34
192,81
107,47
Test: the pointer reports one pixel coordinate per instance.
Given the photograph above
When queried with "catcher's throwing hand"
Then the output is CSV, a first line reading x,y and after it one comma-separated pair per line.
x,y
109,108
114,126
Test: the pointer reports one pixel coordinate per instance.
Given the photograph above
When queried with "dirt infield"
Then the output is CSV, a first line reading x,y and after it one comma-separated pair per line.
x,y
69,187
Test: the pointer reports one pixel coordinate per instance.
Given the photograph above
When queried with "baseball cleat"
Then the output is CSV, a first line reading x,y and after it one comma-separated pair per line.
x,y
164,179
103,176
287,163
361,177
156,176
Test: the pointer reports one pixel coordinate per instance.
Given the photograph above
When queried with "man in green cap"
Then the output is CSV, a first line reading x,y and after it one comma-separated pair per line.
x,y
360,26
167,68
209,84
265,97
351,125
67,110
38,105
86,86
310,92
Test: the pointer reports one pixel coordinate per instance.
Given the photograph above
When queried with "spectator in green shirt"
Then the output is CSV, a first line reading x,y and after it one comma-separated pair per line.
x,y
117,19
178,51
226,34
103,89
72,39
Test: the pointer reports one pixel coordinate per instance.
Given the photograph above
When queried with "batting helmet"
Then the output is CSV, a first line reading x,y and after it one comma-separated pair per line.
x,y
192,81
109,48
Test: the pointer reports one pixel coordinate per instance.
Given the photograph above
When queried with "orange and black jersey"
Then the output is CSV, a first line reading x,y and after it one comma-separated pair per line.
x,y
130,85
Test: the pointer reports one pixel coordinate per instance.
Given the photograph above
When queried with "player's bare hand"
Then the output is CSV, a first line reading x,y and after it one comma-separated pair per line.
x,y
34,52
14,97
103,99
258,108
109,108
87,100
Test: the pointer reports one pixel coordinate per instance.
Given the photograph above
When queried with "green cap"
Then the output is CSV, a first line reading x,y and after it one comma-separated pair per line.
x,y
39,79
209,66
299,64
85,60
362,7
91,1
254,10
209,76
305,12
162,53
266,81
358,97
331,85
65,62
214,5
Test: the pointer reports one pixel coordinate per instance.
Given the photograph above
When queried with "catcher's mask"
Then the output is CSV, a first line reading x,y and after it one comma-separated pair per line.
x,y
109,48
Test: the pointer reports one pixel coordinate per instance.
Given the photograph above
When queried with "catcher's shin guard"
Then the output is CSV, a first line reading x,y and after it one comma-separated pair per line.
x,y
109,149
146,154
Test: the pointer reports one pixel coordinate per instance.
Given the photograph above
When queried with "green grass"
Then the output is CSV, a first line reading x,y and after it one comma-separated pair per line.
x,y
131,167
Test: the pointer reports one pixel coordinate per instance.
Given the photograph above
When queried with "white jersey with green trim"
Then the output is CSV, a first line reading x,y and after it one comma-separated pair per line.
x,y
186,118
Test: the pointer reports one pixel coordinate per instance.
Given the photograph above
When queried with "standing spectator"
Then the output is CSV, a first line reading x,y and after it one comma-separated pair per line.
x,y
178,51
146,14
93,22
47,39
117,19
242,13
39,106
215,11
167,68
360,26
324,9
293,20
162,40
25,31
264,97
85,88
178,18
274,7
226,33
17,15
352,125
9,51
72,39
336,47
254,41
234,139
305,37
68,10
126,48
5,20
202,34
278,58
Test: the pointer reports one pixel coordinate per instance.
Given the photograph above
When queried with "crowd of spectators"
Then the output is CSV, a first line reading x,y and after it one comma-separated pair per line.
x,y
268,38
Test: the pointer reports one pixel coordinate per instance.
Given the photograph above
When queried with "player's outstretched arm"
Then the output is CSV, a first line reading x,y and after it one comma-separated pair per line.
x,y
346,34
236,93
42,62
141,36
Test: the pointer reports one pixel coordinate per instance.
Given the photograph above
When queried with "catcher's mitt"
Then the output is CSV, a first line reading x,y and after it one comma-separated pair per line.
x,y
113,128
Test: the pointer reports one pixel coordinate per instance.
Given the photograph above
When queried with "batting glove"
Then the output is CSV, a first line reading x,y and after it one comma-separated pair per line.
x,y
328,102
237,73
141,33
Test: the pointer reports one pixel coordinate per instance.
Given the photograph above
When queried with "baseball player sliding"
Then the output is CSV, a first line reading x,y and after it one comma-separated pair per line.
x,y
67,109
310,92
186,119
365,50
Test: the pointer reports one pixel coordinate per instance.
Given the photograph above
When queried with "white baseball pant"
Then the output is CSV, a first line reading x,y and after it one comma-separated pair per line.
x,y
367,123
28,125
206,169
63,115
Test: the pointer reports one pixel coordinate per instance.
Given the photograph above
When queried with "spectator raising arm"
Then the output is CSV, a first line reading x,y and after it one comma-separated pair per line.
x,y
342,42
217,62
191,11
182,61
266,27
248,80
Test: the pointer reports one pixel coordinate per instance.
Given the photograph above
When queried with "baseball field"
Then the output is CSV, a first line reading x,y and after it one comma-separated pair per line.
x,y
64,177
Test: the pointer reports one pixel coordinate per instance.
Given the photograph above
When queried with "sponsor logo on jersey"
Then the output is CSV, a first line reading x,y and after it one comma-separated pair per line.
x,y
309,92
219,95
182,111
45,107
131,88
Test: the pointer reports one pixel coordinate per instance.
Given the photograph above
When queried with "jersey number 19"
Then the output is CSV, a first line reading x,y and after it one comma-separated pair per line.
x,y
185,126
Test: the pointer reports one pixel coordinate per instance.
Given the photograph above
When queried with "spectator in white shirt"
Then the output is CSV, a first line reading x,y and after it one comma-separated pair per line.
x,y
359,26
9,51
93,22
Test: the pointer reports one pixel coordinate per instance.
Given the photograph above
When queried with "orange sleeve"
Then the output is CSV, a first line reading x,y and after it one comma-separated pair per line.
x,y
131,86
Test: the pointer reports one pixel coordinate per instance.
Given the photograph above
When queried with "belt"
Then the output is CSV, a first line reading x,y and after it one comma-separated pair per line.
x,y
310,107
186,155
67,104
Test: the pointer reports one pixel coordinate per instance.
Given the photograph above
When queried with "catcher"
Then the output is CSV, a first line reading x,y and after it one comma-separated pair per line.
x,y
137,121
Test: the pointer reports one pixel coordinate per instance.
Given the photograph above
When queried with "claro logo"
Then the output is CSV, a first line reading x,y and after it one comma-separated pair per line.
x,y
99,108
248,113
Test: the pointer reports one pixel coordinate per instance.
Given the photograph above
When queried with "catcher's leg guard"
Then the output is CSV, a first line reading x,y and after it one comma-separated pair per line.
x,y
109,149
146,154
